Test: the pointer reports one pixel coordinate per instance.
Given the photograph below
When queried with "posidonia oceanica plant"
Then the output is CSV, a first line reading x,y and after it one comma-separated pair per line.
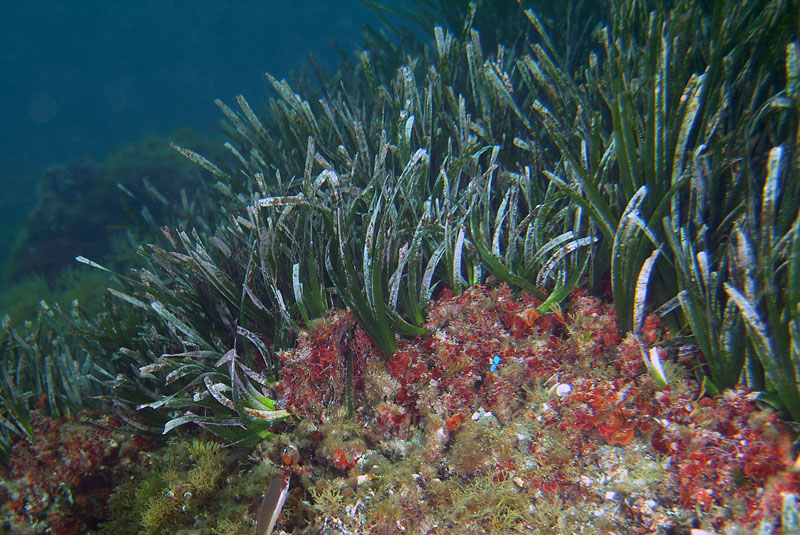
x,y
367,199
654,147
651,133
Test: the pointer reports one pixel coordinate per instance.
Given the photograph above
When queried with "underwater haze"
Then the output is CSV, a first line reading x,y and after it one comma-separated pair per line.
x,y
488,267
82,78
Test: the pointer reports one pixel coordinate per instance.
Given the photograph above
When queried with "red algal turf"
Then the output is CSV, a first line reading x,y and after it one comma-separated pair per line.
x,y
560,406
499,420
64,474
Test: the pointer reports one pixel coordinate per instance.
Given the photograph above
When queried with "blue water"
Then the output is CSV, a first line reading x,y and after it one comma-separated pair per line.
x,y
80,78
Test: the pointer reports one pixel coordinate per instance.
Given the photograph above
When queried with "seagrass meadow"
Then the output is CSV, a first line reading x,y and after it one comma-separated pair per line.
x,y
513,267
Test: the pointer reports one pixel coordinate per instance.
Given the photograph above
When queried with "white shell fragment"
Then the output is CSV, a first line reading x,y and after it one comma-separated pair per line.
x,y
563,390
481,413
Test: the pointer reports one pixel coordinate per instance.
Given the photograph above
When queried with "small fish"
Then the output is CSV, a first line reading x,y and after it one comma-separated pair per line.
x,y
272,504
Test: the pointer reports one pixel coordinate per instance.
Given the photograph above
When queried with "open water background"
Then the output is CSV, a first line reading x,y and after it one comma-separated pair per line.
x,y
81,77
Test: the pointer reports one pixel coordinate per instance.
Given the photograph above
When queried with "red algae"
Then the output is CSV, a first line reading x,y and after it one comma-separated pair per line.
x,y
499,420
727,455
66,473
553,415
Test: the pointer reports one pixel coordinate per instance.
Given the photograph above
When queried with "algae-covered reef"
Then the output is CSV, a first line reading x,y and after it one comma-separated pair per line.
x,y
501,422
518,161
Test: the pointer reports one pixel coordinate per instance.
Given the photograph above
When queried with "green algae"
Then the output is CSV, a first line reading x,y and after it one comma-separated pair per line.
x,y
191,486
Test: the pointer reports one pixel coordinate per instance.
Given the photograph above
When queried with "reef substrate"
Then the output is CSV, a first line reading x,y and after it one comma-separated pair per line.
x,y
498,420
502,420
